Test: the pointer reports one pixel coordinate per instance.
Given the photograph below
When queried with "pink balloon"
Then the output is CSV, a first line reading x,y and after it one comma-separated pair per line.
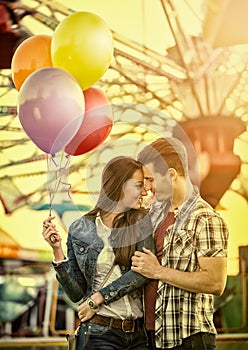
x,y
51,108
96,125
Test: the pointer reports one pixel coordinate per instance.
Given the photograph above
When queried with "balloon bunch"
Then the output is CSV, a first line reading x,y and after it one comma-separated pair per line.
x,y
57,105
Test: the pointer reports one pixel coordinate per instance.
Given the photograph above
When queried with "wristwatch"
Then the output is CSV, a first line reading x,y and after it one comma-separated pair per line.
x,y
92,304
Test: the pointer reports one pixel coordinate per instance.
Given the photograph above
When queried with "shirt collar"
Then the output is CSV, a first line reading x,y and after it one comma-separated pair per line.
x,y
99,222
186,209
189,203
160,209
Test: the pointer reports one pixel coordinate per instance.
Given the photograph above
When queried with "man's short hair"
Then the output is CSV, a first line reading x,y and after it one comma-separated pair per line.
x,y
165,153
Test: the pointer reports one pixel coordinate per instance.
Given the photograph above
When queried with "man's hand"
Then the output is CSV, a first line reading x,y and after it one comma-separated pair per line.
x,y
209,279
145,263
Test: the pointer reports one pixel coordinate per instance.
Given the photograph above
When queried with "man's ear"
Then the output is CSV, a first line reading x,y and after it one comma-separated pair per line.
x,y
173,173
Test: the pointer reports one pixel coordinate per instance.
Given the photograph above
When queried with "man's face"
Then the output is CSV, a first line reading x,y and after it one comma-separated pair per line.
x,y
159,184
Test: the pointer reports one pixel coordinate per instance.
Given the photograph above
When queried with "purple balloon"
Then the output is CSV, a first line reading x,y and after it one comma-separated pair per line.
x,y
51,108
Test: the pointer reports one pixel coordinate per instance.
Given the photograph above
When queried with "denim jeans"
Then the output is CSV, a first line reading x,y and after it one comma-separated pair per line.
x,y
95,337
198,341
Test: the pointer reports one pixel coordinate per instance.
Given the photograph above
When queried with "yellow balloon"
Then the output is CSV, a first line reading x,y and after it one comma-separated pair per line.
x,y
82,44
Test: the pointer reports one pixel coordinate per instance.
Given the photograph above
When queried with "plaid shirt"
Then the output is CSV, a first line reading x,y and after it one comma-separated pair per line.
x,y
198,231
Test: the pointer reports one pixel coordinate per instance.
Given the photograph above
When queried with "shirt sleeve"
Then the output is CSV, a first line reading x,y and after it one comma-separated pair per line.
x,y
213,237
70,276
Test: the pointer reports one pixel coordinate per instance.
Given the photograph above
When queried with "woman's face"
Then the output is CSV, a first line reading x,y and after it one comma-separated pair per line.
x,y
133,191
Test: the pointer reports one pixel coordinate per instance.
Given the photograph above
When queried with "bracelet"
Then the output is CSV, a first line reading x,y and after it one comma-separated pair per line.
x,y
57,263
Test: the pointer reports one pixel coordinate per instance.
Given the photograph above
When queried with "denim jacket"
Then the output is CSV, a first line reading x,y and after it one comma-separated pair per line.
x,y
76,275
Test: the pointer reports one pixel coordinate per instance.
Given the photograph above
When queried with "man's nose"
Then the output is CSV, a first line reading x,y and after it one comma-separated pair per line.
x,y
147,185
143,191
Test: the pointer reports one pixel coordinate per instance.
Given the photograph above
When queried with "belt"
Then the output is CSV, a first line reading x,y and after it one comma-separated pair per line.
x,y
128,325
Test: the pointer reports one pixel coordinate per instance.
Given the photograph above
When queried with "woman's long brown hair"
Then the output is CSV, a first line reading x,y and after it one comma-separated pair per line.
x,y
125,231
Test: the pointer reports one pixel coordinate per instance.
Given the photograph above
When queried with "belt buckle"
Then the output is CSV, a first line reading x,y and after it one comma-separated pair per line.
x,y
126,323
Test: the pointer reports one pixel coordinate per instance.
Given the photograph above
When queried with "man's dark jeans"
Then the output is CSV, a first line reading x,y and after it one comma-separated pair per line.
x,y
198,341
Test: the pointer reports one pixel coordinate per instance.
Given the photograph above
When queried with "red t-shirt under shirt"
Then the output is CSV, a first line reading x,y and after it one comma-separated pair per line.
x,y
150,293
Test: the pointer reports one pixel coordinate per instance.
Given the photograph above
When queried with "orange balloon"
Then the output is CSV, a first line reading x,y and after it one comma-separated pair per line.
x,y
32,54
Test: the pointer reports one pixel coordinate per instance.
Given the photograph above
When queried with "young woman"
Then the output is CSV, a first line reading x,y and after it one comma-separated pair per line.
x,y
111,315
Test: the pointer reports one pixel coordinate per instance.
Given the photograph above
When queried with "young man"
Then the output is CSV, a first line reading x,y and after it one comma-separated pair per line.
x,y
190,263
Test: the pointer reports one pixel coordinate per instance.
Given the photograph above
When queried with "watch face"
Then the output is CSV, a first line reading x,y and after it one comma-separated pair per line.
x,y
91,304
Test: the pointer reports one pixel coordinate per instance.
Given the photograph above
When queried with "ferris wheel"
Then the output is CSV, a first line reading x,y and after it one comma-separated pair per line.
x,y
192,87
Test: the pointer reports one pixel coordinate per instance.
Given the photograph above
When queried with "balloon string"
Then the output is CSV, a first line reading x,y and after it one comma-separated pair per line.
x,y
59,174
49,188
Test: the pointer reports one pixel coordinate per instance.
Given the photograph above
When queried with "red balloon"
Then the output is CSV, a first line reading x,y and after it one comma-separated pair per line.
x,y
96,125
